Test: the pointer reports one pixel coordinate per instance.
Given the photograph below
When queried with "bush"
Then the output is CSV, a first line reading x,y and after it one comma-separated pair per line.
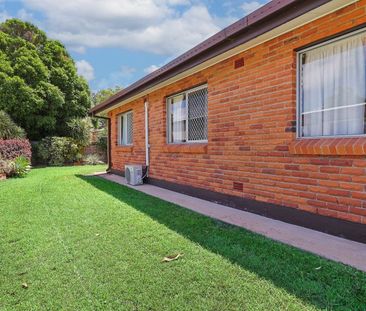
x,y
13,148
7,167
57,151
102,143
21,166
80,131
92,159
18,167
8,129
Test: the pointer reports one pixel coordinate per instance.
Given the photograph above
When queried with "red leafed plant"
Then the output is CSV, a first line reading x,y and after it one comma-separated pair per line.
x,y
10,149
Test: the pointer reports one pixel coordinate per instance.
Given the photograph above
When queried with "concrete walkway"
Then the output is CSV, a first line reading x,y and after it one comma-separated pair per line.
x,y
325,245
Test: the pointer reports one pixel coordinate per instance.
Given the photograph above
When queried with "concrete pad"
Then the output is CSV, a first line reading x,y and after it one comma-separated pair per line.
x,y
331,247
96,174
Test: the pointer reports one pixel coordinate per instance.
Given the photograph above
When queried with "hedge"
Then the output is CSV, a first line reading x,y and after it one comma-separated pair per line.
x,y
10,149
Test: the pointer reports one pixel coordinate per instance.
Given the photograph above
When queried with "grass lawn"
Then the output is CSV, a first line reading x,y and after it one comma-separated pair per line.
x,y
84,243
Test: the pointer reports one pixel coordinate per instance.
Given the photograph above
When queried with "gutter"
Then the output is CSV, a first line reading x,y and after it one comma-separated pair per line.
x,y
266,18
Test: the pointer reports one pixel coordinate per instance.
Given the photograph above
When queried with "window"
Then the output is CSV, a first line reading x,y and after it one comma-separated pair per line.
x,y
332,88
126,128
187,116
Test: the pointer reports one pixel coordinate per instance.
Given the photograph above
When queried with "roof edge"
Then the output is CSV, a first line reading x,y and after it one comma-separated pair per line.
x,y
267,17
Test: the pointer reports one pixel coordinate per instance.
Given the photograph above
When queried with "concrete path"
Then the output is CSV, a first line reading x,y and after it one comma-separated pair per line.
x,y
322,244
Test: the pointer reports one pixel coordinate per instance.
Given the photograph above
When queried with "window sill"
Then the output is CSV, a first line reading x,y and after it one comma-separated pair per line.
x,y
329,146
185,148
122,148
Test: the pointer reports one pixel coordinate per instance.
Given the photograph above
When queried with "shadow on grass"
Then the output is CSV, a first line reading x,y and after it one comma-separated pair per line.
x,y
322,283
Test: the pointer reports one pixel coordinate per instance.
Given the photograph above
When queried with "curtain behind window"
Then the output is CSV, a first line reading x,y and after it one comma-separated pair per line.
x,y
334,88
178,119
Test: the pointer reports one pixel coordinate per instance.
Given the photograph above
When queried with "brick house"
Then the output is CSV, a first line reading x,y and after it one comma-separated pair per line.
x,y
267,115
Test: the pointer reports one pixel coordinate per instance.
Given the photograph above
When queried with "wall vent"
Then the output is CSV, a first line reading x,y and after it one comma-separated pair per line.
x,y
239,63
238,186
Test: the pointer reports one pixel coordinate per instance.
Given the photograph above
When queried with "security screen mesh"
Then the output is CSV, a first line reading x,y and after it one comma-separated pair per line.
x,y
129,126
197,115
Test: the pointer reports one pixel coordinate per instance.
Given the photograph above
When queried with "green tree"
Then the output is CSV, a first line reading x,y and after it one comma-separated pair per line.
x,y
99,97
8,129
39,85
80,131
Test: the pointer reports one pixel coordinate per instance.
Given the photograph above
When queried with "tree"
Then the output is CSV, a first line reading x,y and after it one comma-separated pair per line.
x,y
80,131
98,98
8,129
39,85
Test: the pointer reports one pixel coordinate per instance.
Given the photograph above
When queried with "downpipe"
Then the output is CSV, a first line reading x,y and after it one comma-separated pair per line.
x,y
147,145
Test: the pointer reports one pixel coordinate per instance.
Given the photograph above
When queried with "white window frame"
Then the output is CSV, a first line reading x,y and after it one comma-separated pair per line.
x,y
299,80
122,137
169,129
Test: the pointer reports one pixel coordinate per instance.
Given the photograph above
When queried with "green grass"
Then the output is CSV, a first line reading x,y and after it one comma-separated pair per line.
x,y
84,243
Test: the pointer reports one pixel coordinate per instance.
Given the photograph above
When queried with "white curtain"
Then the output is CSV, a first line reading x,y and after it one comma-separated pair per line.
x,y
334,88
178,110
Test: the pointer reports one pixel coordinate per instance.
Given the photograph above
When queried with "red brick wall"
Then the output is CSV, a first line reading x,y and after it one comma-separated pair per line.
x,y
252,110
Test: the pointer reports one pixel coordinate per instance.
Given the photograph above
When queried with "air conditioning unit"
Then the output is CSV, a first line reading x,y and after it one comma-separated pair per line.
x,y
133,174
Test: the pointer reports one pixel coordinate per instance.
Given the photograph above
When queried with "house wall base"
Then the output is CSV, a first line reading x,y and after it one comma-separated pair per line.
x,y
338,227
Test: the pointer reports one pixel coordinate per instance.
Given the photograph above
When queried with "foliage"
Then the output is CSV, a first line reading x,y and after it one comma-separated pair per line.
x,y
7,167
102,95
8,129
102,143
39,85
102,140
19,167
92,159
80,131
13,148
25,31
57,151
58,219
98,98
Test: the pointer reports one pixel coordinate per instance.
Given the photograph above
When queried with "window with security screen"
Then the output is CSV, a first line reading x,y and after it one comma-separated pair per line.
x,y
187,116
126,129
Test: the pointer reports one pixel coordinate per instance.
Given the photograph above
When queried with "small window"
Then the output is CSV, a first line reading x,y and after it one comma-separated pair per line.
x,y
187,116
126,128
332,88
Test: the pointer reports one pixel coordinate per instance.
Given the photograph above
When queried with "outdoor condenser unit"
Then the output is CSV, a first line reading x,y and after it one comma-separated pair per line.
x,y
133,174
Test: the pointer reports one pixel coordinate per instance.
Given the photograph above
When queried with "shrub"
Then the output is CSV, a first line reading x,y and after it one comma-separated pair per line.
x,y
102,143
57,151
7,167
92,159
8,129
35,158
18,167
80,131
13,148
21,166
